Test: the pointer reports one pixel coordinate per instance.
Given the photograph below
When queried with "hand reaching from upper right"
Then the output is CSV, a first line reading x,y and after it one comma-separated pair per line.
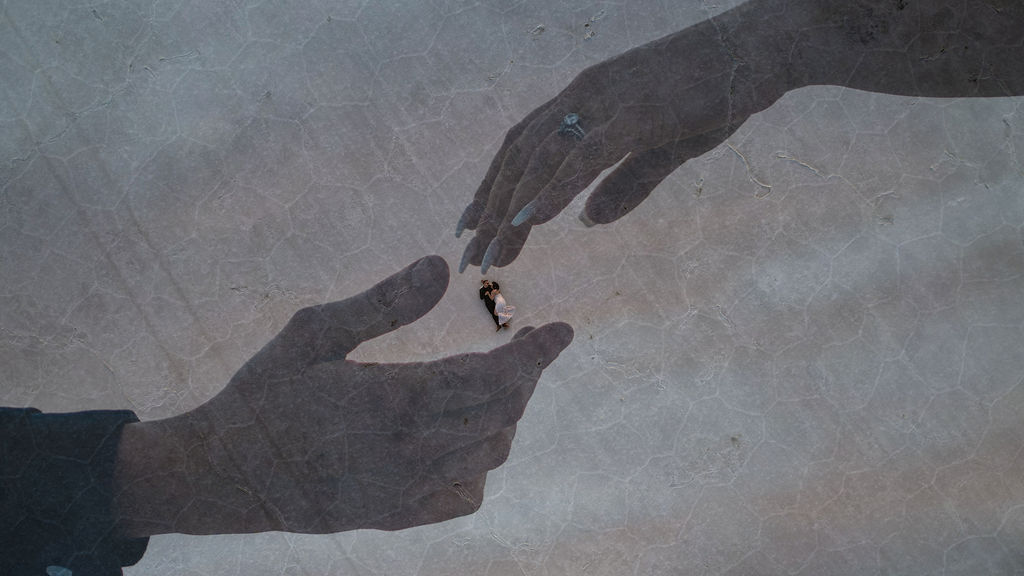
x,y
663,103
655,106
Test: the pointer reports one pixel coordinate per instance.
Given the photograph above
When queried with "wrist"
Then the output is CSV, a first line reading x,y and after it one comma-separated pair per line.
x,y
173,477
748,55
931,49
777,44
150,469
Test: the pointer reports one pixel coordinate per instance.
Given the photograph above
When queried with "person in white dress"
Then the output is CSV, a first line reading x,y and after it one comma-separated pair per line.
x,y
502,309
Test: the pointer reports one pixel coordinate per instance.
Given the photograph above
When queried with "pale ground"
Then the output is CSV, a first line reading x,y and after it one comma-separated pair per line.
x,y
802,355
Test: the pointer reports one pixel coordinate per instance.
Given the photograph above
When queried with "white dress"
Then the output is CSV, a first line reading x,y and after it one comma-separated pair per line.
x,y
503,310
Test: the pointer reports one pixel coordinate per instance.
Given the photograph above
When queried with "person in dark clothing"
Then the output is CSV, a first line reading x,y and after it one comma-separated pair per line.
x,y
485,289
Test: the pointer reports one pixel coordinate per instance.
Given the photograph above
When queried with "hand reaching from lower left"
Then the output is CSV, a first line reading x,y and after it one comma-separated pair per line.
x,y
303,440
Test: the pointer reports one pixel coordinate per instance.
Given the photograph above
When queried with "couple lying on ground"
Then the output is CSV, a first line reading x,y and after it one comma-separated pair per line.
x,y
500,310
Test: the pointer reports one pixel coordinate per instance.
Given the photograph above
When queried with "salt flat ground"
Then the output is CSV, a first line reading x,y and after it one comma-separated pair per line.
x,y
801,355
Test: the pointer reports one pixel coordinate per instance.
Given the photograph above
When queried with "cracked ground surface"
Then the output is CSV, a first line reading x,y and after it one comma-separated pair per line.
x,y
801,355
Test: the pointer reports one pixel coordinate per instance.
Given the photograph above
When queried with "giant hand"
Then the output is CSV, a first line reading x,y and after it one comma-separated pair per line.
x,y
653,108
673,99
303,440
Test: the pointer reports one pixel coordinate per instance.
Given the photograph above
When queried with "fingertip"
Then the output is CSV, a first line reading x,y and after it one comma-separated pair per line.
x,y
549,340
463,221
433,263
430,276
601,209
471,255
492,253
525,213
562,334
432,267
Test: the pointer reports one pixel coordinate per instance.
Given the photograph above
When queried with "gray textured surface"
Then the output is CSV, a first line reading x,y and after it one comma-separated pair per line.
x,y
823,379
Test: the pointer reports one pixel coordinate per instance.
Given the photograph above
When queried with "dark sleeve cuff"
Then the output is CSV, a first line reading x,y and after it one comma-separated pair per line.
x,y
56,493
